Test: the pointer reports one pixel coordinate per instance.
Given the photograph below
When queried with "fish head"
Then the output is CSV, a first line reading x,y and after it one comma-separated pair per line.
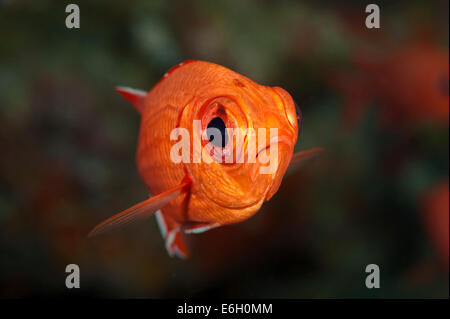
x,y
243,137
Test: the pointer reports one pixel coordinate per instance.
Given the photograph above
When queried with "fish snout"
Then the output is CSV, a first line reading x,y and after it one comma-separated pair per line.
x,y
273,160
285,152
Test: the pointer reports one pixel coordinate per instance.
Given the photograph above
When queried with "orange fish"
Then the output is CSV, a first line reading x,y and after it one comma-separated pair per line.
x,y
410,84
195,196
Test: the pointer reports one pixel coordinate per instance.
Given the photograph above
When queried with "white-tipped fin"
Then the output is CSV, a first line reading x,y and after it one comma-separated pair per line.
x,y
134,96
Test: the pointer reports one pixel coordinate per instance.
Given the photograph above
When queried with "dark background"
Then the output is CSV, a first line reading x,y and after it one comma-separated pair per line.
x,y
380,195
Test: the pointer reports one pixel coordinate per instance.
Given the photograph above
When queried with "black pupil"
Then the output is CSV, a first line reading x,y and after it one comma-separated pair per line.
x,y
219,124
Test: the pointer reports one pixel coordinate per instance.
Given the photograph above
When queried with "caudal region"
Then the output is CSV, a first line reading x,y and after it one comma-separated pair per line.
x,y
212,148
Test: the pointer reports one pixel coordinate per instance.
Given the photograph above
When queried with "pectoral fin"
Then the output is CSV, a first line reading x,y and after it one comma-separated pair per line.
x,y
299,158
140,211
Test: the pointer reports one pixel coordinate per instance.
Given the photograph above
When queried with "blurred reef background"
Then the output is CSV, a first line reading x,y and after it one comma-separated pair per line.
x,y
376,99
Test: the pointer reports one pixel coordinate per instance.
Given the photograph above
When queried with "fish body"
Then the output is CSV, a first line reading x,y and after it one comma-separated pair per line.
x,y
193,196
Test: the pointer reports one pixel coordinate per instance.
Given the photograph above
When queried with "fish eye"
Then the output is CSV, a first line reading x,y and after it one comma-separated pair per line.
x,y
218,124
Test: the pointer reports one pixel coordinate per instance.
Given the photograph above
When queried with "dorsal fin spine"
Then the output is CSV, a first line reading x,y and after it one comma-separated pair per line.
x,y
134,96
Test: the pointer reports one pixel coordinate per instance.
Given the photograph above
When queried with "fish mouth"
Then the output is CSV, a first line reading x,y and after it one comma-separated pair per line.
x,y
262,149
252,187
285,151
282,159
275,141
